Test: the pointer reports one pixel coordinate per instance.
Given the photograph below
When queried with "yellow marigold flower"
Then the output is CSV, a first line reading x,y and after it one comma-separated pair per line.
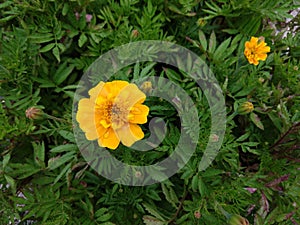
x,y
256,49
112,114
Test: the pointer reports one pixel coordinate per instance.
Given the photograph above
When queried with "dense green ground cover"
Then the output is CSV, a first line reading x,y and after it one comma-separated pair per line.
x,y
45,48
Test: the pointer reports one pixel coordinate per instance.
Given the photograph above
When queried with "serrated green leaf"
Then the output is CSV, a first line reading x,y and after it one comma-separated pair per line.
x,y
65,9
47,47
221,49
243,137
58,161
63,172
56,53
202,187
42,38
202,40
67,135
62,73
64,148
256,120
245,91
39,153
104,217
153,211
149,220
154,195
194,184
82,40
22,170
43,180
212,42
170,194
211,172
5,160
11,183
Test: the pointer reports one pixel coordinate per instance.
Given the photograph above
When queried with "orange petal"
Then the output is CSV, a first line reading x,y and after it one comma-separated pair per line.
x,y
115,86
254,40
109,139
129,134
261,57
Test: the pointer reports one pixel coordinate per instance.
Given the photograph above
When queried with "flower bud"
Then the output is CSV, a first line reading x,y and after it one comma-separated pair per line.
x,y
34,113
245,108
135,33
146,87
201,22
88,18
197,214
238,220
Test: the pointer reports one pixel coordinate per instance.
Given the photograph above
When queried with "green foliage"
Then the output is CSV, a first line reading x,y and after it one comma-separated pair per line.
x,y
45,47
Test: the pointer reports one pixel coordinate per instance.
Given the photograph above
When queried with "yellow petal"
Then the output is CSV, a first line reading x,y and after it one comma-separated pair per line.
x,y
109,139
254,40
131,95
94,92
85,113
261,56
115,86
129,134
138,114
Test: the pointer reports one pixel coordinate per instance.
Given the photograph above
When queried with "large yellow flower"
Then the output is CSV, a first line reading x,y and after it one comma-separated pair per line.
x,y
256,49
112,114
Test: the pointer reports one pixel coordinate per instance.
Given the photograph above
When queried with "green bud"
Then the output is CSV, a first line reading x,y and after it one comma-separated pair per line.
x,y
201,22
146,87
245,108
34,113
238,220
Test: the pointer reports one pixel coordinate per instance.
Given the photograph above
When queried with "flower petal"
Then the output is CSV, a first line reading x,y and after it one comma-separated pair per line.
x,y
138,114
94,92
131,95
129,134
85,113
109,139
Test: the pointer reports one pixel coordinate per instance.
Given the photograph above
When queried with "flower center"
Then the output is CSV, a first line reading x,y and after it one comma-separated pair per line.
x,y
113,114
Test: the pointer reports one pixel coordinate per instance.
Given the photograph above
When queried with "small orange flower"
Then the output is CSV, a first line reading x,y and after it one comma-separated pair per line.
x,y
112,114
256,49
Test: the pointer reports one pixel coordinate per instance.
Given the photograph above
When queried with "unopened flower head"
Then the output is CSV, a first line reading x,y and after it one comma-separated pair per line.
x,y
146,86
112,114
135,33
34,113
238,220
88,18
197,214
256,49
245,108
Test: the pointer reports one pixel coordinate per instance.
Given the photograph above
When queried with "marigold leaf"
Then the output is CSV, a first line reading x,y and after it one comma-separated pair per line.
x,y
56,53
202,40
47,47
256,120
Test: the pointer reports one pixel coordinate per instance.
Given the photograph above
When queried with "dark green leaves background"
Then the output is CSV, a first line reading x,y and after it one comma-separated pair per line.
x,y
46,46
